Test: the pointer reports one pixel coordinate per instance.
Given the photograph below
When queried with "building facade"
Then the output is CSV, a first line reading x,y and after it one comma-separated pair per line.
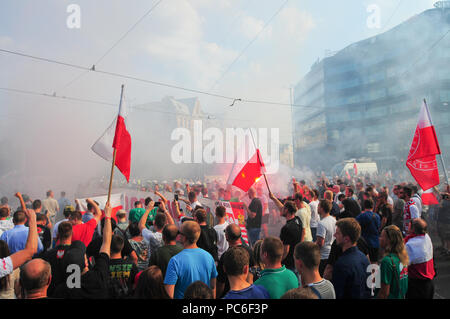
x,y
364,100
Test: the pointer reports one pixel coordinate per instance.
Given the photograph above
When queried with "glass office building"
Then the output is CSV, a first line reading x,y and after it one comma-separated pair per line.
x,y
364,101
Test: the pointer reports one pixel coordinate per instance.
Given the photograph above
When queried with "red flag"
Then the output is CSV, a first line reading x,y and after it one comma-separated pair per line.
x,y
428,197
250,173
122,144
355,168
348,174
422,156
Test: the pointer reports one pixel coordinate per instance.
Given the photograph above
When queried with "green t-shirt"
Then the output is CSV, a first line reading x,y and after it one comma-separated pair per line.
x,y
277,281
397,278
136,214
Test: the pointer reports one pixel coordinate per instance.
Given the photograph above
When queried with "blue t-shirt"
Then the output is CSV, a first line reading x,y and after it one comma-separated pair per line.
x,y
251,292
370,225
188,266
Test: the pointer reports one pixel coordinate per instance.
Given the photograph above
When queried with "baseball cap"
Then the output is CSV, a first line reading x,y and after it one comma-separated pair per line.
x,y
75,255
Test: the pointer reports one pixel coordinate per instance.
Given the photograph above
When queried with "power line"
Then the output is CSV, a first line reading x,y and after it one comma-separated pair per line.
x,y
76,99
249,44
112,47
153,82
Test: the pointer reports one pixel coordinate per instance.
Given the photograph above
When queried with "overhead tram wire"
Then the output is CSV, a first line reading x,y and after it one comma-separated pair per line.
x,y
229,98
76,99
111,48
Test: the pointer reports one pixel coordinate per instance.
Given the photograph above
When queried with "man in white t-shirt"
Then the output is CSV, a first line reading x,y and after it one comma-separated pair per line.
x,y
222,243
154,238
315,218
325,232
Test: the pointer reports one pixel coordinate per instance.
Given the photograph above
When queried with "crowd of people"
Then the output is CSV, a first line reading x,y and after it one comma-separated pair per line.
x,y
345,238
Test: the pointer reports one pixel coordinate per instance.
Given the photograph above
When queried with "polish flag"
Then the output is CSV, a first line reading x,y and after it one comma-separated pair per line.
x,y
116,137
355,168
422,155
428,197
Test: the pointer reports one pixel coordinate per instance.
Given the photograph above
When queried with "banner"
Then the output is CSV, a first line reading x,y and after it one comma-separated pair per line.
x,y
116,201
236,215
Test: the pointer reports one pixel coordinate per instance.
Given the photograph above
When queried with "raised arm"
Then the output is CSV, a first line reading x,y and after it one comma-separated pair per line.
x,y
144,217
169,217
31,246
161,196
276,201
107,231
97,212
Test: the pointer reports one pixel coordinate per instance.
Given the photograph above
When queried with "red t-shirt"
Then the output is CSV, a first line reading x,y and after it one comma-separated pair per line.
x,y
84,232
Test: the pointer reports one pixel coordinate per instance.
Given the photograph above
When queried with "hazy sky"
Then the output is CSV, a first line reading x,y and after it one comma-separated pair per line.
x,y
188,43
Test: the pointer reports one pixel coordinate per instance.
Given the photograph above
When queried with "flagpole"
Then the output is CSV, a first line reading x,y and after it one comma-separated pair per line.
x,y
265,178
114,154
440,155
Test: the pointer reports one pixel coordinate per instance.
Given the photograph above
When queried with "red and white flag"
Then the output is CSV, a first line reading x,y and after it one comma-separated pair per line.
x,y
235,214
116,137
355,168
428,197
116,202
422,156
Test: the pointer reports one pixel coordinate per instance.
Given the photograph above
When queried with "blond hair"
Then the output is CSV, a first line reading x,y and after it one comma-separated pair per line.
x,y
395,244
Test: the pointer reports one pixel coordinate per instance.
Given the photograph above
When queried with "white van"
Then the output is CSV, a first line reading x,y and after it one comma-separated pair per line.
x,y
362,167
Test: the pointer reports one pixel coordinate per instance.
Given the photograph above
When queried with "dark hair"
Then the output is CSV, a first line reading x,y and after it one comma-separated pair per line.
x,y
308,253
137,203
350,190
220,211
233,232
298,196
407,191
133,229
192,195
37,204
160,220
170,232
234,261
368,203
65,230
151,284
90,206
198,290
273,247
148,200
19,217
290,207
75,215
349,227
200,215
341,196
4,252
4,212
419,226
4,200
326,205
351,207
117,244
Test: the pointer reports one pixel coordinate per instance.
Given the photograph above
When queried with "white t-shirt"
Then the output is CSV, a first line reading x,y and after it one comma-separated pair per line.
x,y
305,217
6,266
314,214
153,238
326,230
222,243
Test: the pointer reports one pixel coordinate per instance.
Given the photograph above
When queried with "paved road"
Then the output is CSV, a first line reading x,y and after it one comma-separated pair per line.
x,y
442,264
